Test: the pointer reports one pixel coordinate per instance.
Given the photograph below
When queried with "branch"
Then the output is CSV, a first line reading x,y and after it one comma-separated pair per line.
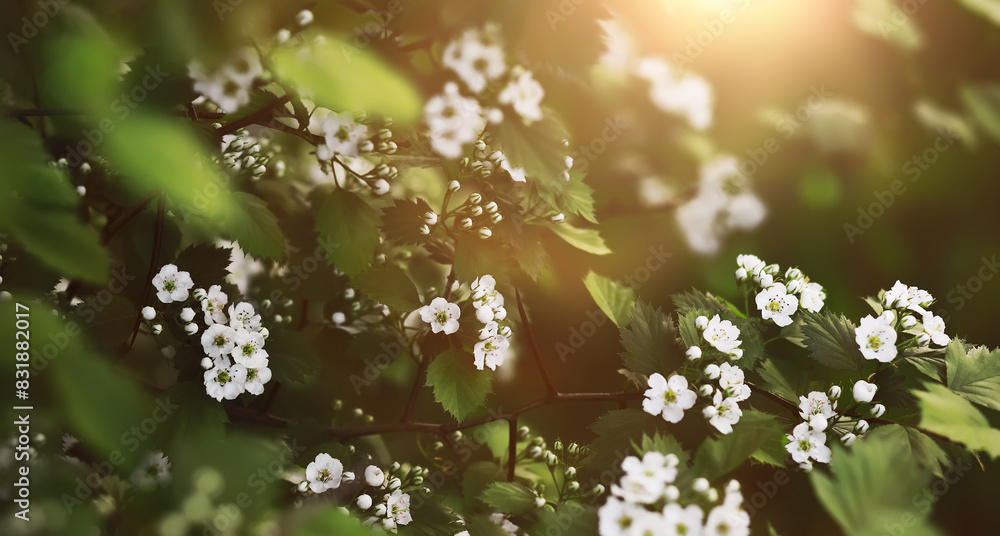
x,y
114,226
153,261
54,112
511,448
417,384
534,348
260,115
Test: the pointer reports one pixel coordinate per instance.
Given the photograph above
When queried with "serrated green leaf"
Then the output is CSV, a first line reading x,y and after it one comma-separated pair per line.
x,y
255,227
588,240
716,457
340,76
975,374
830,339
616,430
922,447
538,148
946,413
532,258
696,300
614,299
929,361
292,359
689,332
207,264
113,322
475,257
401,222
457,385
389,284
783,380
872,484
509,498
348,231
570,197
649,341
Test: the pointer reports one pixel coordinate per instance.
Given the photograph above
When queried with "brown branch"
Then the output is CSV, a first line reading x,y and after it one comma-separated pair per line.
x,y
153,261
260,115
787,404
535,351
511,448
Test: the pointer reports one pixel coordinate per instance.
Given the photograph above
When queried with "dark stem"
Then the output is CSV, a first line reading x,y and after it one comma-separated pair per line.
x,y
260,115
512,448
418,382
114,226
161,208
534,347
269,403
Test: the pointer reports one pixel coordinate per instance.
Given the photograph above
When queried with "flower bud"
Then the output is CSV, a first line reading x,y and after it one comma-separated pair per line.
x,y
430,218
454,186
304,17
706,390
693,353
570,472
366,146
364,502
733,486
834,392
863,391
712,495
384,134
539,502
475,199
477,210
338,318
795,285
485,232
712,371
736,354
909,321
381,187
793,273
923,339
81,190
598,489
148,313
199,294
557,445
558,218
424,229
496,217
191,328
347,477
535,452
806,466
671,493
862,426
523,433
878,410
467,223
394,484
700,485
187,314
848,439
741,274
379,510
206,363
391,147
480,145
766,280
701,322
492,206
671,460
574,485
551,459
303,486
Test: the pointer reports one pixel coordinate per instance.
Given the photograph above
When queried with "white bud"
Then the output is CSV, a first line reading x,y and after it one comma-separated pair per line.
x,y
909,321
712,495
467,223
793,273
381,187
598,489
282,36
834,392
574,485
364,501
795,285
485,232
148,313
923,339
492,206
862,426
81,190
671,460
191,328
736,354
85,168
539,502
706,390
380,510
558,218
848,439
338,318
733,486
878,410
187,314
394,484
570,472
303,486
535,452
366,146
693,353
157,329
430,218
863,391
347,477
741,274
712,371
454,186
701,485
766,280
304,17
701,322
475,199
199,294
671,493
496,217
424,229
806,466
206,363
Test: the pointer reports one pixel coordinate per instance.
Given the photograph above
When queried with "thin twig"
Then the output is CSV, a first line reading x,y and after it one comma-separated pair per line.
x,y
418,382
114,226
264,113
534,347
153,261
512,448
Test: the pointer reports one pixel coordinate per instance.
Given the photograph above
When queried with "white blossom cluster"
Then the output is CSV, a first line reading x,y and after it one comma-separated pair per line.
x,y
229,85
647,501
879,337
393,509
670,398
780,296
243,152
722,204
235,359
477,58
807,442
152,471
348,144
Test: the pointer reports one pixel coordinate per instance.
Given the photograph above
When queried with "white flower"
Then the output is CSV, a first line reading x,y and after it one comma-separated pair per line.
x,y
225,382
148,313
805,443
525,94
453,121
811,297
741,274
668,398
934,327
644,481
911,298
476,57
616,517
398,507
364,501
518,174
172,285
441,315
745,211
731,380
152,471
187,314
689,96
243,316
682,521
723,413
701,322
323,473
218,340
693,353
213,305
248,349
722,334
751,263
864,391
877,338
490,352
374,476
484,314
338,318
776,304
256,378
713,371
489,330
817,403
342,134
727,520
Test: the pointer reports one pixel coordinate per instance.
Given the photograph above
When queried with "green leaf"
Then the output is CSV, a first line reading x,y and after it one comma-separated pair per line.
x,y
113,322
255,227
390,285
664,444
649,341
509,498
331,521
475,257
338,75
716,457
41,218
929,361
292,358
615,300
206,263
987,9
477,477
872,485
571,197
348,230
588,240
702,302
202,415
830,339
616,431
983,103
457,385
974,375
401,222
946,413
784,380
538,148
922,447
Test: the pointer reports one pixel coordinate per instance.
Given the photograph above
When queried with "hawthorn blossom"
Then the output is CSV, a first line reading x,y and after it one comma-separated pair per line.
x,y
453,121
490,352
213,305
256,378
668,398
877,338
727,520
682,521
816,409
907,297
805,443
524,94
374,476
864,391
722,334
723,203
172,285
645,480
230,85
812,296
248,349
225,381
152,471
342,134
686,95
243,316
731,380
398,507
775,303
616,517
441,315
751,264
476,57
934,328
323,473
218,340
723,413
